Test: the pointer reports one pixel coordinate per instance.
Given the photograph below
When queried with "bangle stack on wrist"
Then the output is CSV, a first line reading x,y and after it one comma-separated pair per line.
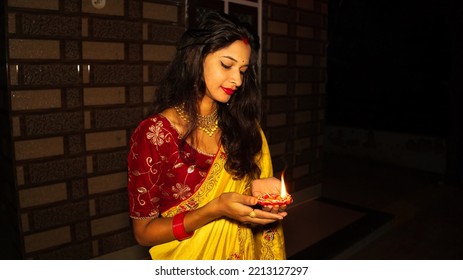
x,y
178,227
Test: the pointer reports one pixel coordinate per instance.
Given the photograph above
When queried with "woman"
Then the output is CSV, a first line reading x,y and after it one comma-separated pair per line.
x,y
198,163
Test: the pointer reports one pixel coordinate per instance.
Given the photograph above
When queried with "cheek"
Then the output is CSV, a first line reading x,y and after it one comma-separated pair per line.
x,y
212,77
207,78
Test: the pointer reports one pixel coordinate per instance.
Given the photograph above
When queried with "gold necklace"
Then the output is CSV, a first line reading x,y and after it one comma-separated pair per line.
x,y
208,123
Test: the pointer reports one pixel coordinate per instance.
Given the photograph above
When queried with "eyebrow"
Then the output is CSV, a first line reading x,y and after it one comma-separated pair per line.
x,y
231,58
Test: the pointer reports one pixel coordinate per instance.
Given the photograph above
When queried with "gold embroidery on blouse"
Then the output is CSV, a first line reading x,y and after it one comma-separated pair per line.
x,y
193,201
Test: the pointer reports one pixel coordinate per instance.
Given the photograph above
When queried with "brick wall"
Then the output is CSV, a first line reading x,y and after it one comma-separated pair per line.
x,y
294,66
79,79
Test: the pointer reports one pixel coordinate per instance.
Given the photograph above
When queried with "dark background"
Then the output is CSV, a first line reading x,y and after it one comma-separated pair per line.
x,y
397,66
389,65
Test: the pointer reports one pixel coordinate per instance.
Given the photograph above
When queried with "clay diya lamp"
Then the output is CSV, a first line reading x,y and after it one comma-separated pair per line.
x,y
284,198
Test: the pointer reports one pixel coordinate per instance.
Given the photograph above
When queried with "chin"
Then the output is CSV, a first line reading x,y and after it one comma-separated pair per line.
x,y
223,99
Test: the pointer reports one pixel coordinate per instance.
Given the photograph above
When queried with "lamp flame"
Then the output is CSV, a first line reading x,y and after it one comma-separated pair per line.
x,y
283,192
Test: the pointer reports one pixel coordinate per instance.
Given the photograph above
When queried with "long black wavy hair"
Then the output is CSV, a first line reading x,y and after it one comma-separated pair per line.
x,y
183,85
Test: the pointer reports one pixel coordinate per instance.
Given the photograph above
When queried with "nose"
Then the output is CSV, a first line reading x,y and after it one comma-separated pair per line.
x,y
237,78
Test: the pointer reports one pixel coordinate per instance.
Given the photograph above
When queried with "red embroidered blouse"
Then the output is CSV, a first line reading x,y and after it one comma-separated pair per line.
x,y
159,175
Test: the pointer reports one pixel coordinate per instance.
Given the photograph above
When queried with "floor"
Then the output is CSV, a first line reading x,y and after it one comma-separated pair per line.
x,y
427,216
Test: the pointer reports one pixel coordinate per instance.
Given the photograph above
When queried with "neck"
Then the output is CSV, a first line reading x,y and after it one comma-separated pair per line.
x,y
207,107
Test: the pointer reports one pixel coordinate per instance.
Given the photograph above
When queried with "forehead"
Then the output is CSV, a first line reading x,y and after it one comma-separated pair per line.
x,y
238,51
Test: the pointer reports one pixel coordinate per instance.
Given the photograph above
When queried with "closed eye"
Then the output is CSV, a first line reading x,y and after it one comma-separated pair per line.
x,y
225,65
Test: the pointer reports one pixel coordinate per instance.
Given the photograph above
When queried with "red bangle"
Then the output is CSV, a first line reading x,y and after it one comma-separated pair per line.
x,y
178,227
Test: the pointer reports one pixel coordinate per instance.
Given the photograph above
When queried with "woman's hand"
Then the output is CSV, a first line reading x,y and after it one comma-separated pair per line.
x,y
270,185
241,208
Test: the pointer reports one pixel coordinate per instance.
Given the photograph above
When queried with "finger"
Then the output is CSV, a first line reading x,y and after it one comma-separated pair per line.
x,y
261,217
275,209
248,200
283,214
260,214
267,208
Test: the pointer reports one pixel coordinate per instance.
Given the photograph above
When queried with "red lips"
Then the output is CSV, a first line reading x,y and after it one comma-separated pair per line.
x,y
228,91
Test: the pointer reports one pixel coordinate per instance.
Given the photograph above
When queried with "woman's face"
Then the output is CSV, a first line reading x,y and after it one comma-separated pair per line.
x,y
223,71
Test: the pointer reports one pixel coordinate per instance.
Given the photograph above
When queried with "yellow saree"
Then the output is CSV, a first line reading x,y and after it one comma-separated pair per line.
x,y
225,239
